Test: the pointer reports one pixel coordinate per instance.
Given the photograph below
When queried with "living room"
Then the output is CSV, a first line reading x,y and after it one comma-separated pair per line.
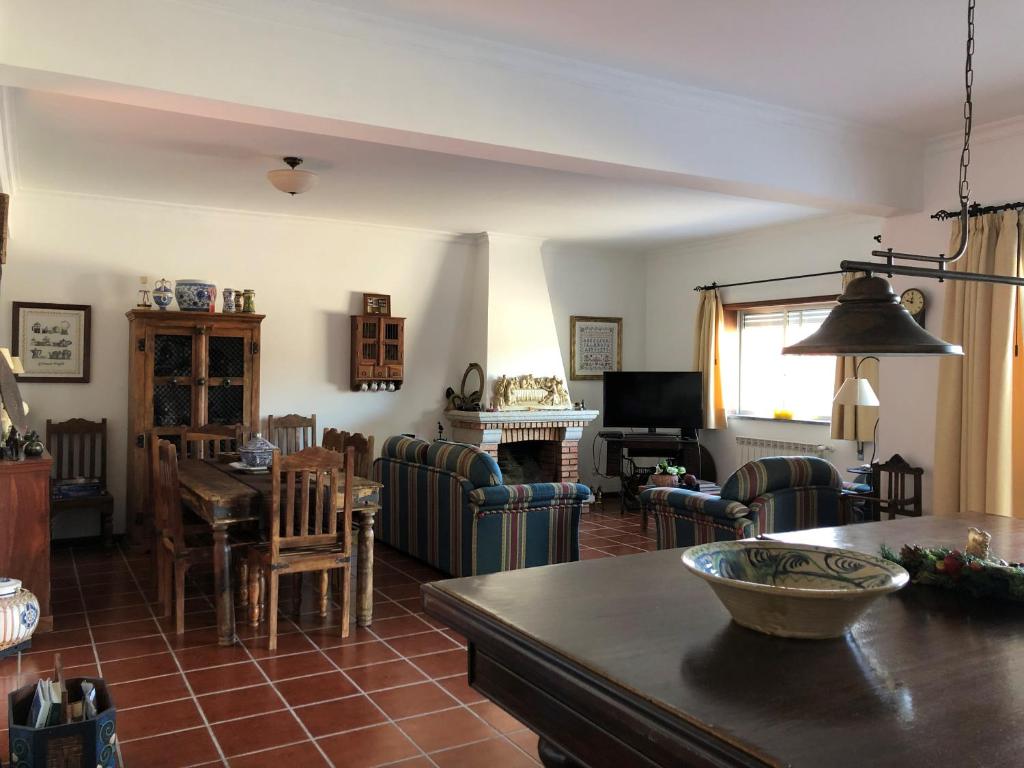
x,y
493,182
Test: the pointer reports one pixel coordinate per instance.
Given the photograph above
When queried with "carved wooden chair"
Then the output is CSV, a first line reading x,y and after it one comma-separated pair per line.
x,y
79,451
338,440
895,490
292,433
208,441
308,531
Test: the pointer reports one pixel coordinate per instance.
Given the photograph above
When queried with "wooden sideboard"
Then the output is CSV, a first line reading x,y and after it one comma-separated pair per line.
x,y
25,528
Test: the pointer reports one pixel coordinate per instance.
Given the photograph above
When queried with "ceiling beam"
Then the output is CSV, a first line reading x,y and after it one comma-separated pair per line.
x,y
324,70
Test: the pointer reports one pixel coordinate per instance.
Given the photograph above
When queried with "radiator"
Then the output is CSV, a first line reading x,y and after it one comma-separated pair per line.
x,y
757,448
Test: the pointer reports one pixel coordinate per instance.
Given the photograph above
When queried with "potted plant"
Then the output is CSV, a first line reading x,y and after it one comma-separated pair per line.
x,y
667,474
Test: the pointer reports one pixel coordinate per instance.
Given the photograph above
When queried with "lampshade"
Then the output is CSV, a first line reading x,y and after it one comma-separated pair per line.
x,y
871,321
856,392
14,362
291,180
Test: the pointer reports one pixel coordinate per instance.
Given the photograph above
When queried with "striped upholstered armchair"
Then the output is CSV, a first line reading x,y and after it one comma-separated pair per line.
x,y
769,495
445,503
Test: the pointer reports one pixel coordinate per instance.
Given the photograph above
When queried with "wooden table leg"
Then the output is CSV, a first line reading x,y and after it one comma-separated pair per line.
x,y
364,575
222,586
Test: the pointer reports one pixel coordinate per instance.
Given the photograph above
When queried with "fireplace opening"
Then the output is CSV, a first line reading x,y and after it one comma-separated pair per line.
x,y
530,461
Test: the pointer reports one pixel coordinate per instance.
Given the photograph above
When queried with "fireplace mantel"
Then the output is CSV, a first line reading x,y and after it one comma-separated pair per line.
x,y
489,429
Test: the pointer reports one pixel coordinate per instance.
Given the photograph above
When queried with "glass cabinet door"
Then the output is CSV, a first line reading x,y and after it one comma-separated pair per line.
x,y
228,355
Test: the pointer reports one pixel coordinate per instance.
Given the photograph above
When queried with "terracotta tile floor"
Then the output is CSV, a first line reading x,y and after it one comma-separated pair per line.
x,y
394,694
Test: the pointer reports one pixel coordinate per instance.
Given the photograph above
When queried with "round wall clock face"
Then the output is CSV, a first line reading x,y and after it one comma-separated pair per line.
x,y
913,300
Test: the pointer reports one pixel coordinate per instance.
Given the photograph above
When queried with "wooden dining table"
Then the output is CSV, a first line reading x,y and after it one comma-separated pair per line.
x,y
225,497
633,661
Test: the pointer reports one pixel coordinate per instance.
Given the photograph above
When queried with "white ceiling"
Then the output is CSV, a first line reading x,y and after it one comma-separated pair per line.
x,y
893,63
69,144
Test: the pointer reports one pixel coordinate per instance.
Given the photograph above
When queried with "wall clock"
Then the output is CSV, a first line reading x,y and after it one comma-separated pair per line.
x,y
913,301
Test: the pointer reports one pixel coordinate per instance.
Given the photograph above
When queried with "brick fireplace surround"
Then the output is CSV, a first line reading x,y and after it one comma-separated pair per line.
x,y
556,433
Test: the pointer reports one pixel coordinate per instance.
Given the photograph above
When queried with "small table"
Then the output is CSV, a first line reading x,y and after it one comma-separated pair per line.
x,y
224,497
649,670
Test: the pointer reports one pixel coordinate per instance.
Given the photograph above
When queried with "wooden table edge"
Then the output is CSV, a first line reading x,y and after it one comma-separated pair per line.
x,y
566,679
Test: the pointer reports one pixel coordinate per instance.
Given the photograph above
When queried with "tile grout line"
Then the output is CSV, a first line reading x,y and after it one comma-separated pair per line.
x,y
177,663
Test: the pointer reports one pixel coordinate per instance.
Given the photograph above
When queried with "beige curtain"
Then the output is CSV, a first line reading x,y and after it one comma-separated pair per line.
x,y
848,422
975,419
707,345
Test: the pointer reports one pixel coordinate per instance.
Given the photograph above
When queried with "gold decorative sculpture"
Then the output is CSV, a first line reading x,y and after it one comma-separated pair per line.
x,y
530,393
978,542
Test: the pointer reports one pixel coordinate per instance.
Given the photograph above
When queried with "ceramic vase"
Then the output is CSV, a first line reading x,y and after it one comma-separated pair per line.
x,y
194,295
665,481
248,300
162,294
19,613
229,299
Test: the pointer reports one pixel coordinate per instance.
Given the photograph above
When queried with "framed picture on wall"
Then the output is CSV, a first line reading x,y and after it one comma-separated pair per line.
x,y
376,304
595,346
53,341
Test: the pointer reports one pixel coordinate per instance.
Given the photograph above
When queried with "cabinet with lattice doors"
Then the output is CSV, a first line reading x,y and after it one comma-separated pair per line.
x,y
186,370
378,351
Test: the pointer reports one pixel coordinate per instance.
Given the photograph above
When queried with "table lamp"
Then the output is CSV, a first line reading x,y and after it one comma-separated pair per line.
x,y
858,392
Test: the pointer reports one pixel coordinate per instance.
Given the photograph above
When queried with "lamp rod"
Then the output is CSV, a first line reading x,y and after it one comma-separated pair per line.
x,y
928,272
713,286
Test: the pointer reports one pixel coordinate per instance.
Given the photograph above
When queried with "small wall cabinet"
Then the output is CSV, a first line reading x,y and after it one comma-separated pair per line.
x,y
186,370
378,351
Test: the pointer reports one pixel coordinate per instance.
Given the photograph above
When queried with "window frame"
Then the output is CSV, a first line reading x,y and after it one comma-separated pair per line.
x,y
732,313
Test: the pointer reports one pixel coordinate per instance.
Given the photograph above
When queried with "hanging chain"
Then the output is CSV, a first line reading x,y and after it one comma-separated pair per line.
x,y
965,153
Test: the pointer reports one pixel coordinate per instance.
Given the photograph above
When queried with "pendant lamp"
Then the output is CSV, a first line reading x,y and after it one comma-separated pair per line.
x,y
871,321
290,180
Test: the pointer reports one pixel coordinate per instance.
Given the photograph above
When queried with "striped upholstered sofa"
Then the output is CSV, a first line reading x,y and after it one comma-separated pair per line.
x,y
769,495
445,503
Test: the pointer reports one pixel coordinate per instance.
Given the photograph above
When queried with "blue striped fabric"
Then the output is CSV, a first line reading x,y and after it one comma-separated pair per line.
x,y
426,511
468,461
694,501
526,496
405,449
761,476
689,529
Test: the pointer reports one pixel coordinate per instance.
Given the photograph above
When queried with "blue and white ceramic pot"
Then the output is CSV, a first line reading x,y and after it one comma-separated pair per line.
x,y
257,452
194,295
229,299
162,294
19,613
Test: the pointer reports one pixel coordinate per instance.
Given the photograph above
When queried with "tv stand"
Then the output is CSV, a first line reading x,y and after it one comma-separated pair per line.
x,y
623,447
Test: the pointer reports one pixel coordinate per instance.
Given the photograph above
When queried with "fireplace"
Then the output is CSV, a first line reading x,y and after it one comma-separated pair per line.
x,y
530,446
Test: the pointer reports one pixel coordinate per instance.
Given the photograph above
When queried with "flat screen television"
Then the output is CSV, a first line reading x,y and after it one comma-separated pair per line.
x,y
647,399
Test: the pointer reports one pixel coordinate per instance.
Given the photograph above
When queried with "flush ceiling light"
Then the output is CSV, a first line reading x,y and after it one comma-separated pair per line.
x,y
290,179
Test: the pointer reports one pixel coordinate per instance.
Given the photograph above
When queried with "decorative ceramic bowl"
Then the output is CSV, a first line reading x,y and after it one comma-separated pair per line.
x,y
665,480
257,453
793,590
19,613
194,295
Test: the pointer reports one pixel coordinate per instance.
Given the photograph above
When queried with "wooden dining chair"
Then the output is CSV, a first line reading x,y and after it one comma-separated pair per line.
x,y
338,440
209,441
292,433
307,529
79,451
174,554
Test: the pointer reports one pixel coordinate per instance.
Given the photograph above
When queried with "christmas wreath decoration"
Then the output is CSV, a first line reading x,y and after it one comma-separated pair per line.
x,y
974,571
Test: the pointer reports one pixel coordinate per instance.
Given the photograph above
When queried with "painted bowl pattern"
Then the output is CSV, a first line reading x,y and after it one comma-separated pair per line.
x,y
793,590
194,295
19,613
258,452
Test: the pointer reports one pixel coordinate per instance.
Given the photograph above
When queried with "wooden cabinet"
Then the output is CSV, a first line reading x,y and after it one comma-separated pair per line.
x,y
25,528
378,350
186,369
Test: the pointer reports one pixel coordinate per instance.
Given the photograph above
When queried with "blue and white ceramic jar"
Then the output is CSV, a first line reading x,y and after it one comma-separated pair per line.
x,y
194,295
19,613
162,294
257,453
229,299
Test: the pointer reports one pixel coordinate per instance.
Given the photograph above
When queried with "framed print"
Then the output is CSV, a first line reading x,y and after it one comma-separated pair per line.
x,y
595,346
52,341
376,304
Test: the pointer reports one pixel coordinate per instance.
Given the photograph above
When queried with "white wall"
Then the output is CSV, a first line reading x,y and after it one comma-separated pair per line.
x,y
308,276
589,281
814,246
911,384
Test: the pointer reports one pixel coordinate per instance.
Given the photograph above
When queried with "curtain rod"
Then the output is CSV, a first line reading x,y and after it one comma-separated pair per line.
x,y
977,210
714,286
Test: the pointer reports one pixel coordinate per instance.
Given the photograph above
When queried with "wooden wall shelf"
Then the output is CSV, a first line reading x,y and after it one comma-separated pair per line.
x,y
378,351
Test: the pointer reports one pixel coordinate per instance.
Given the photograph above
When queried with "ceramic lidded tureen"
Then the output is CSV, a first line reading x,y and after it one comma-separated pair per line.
x,y
257,452
19,613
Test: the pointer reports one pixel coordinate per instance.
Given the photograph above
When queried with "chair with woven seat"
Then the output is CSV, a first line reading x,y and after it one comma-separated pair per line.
x,y
307,530
292,433
79,475
210,440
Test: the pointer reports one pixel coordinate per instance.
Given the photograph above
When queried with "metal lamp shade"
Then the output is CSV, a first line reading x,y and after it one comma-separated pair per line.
x,y
871,321
856,392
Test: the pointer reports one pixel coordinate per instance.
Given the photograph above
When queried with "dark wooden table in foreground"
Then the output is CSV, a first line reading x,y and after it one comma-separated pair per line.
x,y
631,661
224,497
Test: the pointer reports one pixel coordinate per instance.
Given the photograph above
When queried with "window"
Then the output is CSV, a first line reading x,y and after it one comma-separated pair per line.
x,y
770,381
